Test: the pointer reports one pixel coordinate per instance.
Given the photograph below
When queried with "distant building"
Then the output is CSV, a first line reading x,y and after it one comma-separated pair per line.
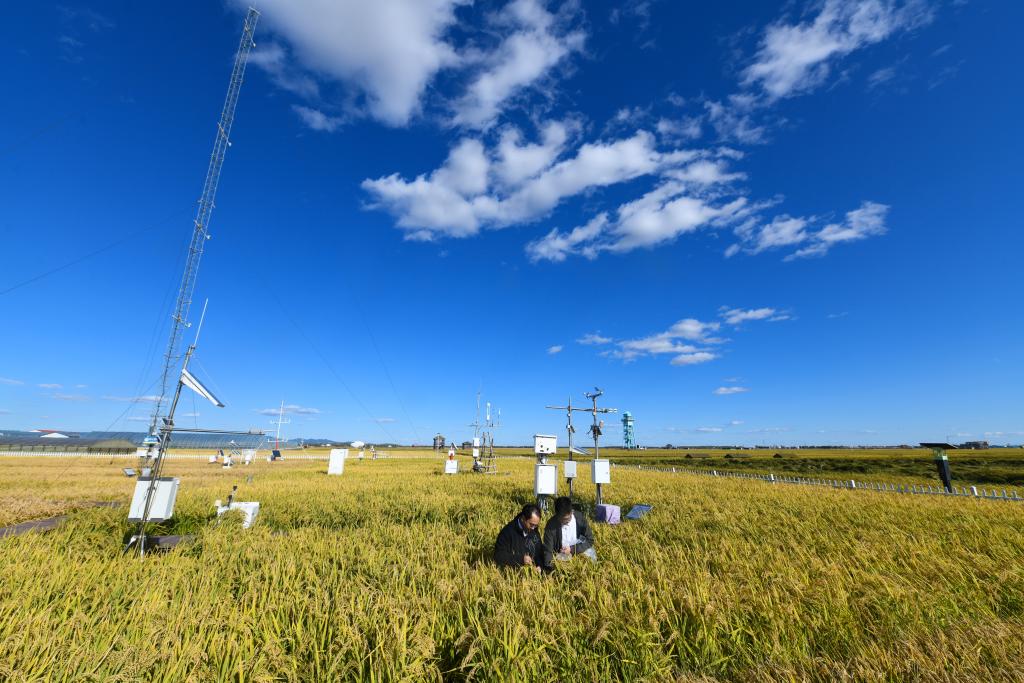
x,y
975,445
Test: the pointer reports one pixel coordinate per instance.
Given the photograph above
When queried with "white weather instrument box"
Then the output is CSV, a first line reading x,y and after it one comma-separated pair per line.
x,y
545,444
601,471
336,463
451,466
545,480
570,469
162,507
249,511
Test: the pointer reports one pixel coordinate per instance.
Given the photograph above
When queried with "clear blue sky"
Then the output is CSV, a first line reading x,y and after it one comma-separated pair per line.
x,y
748,222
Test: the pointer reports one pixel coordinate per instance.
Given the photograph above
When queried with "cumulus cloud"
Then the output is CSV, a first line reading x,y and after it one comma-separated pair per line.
x,y
593,338
290,409
686,341
737,316
552,350
868,220
461,196
728,391
795,58
534,45
317,120
387,50
273,59
693,194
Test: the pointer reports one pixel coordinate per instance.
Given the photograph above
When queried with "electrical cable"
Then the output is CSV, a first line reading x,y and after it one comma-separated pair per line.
x,y
330,367
380,357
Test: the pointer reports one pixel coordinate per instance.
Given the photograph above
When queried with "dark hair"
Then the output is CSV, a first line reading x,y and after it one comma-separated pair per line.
x,y
563,506
529,510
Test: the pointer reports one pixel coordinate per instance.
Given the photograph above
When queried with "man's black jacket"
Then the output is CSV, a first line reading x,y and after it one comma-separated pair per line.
x,y
553,535
512,545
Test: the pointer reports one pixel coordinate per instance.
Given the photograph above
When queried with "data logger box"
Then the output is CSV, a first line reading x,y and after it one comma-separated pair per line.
x,y
570,469
601,471
336,463
451,466
545,444
545,480
162,507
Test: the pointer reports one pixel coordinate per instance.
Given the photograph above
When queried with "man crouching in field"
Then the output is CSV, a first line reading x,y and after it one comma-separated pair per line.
x,y
519,544
568,534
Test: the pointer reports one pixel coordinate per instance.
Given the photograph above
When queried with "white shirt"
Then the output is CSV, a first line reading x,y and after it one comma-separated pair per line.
x,y
569,533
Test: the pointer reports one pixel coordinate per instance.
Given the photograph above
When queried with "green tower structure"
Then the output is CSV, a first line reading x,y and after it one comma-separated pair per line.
x,y
628,436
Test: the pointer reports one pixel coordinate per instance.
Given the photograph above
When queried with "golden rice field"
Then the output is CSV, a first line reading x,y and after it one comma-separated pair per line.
x,y
383,574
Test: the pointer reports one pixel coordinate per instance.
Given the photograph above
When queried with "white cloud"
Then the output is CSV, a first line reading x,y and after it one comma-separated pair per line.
x,y
70,397
533,48
10,382
50,386
682,203
552,350
735,423
881,77
867,221
708,430
728,391
317,120
138,418
459,198
385,420
388,50
733,120
795,58
737,316
290,409
785,231
593,338
273,59
683,341
516,162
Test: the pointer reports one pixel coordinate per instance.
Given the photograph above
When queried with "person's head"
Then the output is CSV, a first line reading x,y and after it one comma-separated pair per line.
x,y
563,509
529,517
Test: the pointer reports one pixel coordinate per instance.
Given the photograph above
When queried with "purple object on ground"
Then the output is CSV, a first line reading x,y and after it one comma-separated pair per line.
x,y
609,514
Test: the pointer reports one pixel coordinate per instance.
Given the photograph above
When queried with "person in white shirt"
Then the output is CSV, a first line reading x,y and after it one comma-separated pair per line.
x,y
568,533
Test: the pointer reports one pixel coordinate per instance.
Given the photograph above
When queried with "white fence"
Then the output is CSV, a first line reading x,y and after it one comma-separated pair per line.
x,y
851,484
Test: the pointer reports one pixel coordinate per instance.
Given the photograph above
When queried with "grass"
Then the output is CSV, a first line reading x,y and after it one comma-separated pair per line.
x,y
383,574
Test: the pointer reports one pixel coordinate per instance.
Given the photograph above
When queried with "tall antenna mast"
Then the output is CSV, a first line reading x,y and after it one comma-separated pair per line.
x,y
201,224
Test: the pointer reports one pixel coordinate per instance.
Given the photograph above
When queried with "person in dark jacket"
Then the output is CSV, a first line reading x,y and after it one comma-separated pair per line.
x,y
519,543
568,534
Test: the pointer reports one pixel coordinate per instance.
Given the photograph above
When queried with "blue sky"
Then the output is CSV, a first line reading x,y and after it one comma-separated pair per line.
x,y
748,222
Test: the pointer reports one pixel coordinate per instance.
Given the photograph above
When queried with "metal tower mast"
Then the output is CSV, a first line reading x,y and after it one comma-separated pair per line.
x,y
200,231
